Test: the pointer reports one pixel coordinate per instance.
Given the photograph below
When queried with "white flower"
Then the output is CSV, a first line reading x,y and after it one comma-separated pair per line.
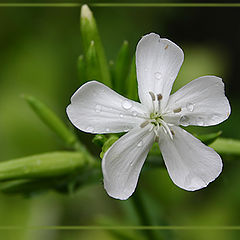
x,y
95,108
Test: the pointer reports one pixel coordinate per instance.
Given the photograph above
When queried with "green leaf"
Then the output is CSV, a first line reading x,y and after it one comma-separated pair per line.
x,y
53,122
227,146
92,63
209,138
45,165
132,92
122,68
112,139
89,32
81,66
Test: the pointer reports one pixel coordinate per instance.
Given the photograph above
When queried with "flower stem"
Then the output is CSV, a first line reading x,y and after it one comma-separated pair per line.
x,y
143,216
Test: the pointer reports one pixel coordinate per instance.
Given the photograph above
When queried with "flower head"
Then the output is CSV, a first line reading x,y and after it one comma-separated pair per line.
x,y
95,108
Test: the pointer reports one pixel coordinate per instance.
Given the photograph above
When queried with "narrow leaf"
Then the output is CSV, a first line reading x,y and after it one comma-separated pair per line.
x,y
132,82
122,66
89,32
227,146
209,138
53,122
81,66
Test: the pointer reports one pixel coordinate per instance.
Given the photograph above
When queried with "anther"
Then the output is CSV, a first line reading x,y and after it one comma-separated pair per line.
x,y
152,96
144,124
173,133
177,110
166,47
159,97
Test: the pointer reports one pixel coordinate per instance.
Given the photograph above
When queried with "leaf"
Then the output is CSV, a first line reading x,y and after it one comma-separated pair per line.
x,y
209,138
227,146
121,68
99,140
45,165
81,66
53,122
132,92
89,32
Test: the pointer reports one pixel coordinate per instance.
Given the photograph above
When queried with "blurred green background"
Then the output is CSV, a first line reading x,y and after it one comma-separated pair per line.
x,y
39,48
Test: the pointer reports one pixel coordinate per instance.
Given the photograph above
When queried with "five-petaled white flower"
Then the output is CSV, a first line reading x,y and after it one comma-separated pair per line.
x,y
95,108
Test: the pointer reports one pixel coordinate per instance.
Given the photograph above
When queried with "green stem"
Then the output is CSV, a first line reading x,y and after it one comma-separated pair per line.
x,y
143,215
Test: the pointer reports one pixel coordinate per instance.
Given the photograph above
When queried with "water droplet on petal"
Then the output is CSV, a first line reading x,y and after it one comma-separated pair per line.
x,y
107,129
200,121
134,113
190,107
126,130
90,129
121,115
158,75
98,108
184,120
126,104
140,143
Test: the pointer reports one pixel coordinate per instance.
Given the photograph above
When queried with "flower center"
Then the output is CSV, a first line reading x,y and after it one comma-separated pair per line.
x,y
155,117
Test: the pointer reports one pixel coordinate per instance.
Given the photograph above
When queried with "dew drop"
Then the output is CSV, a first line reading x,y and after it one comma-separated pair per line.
x,y
131,163
107,129
200,121
140,143
190,107
126,104
184,119
90,129
121,115
126,130
134,113
98,108
158,75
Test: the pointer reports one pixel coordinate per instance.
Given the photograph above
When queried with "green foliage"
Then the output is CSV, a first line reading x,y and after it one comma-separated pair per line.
x,y
111,140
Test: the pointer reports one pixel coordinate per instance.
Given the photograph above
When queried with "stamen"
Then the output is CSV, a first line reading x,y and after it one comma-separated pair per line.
x,y
166,47
177,110
165,126
152,96
173,133
144,124
159,97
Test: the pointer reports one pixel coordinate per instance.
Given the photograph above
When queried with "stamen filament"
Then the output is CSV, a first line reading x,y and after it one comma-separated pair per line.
x,y
167,129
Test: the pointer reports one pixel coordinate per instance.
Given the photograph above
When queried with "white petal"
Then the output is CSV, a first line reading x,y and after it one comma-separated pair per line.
x,y
95,108
123,161
190,164
202,103
158,61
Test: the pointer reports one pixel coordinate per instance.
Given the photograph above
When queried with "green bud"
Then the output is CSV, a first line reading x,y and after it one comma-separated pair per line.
x,y
92,63
89,33
112,139
99,140
45,165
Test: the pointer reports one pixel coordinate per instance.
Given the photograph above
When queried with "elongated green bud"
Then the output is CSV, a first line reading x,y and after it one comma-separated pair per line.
x,y
132,82
51,120
92,63
89,32
122,66
44,165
